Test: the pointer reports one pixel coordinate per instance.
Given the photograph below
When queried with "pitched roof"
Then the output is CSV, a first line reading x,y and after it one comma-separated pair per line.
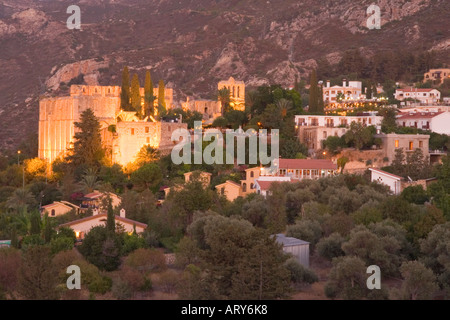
x,y
306,164
386,173
56,204
104,215
416,89
264,185
420,115
289,241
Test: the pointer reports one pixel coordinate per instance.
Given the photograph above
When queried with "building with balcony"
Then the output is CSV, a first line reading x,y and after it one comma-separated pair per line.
x,y
437,76
426,96
351,90
434,121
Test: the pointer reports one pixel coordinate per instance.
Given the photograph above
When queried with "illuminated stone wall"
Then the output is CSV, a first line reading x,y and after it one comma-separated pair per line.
x,y
237,92
58,115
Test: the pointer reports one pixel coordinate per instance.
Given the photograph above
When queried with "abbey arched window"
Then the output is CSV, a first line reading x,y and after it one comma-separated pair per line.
x,y
53,213
244,187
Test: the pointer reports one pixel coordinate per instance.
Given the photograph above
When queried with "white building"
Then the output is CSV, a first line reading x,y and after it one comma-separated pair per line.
x,y
369,119
391,180
438,122
263,183
298,248
352,90
426,96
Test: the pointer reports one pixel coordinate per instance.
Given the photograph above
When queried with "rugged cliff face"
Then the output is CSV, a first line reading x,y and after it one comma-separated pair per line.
x,y
191,44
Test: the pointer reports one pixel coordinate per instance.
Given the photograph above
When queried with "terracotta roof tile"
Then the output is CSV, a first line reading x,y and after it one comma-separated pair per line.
x,y
306,164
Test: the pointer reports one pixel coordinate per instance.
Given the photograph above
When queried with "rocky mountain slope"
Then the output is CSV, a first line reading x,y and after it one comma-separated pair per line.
x,y
191,44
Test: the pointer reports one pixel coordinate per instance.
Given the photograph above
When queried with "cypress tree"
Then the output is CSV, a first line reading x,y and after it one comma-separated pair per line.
x,y
161,99
374,90
87,148
35,223
321,103
47,229
125,93
148,94
313,93
369,91
110,220
136,95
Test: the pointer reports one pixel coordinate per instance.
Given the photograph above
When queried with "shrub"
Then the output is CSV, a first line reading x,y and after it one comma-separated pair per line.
x,y
133,278
61,244
32,240
168,281
132,242
146,260
299,273
101,249
121,290
307,230
330,247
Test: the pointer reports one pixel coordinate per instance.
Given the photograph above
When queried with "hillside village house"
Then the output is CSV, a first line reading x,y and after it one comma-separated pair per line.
x,y
352,90
259,179
368,119
437,76
393,181
409,142
82,227
313,129
438,122
426,96
94,200
230,189
204,177
58,208
248,184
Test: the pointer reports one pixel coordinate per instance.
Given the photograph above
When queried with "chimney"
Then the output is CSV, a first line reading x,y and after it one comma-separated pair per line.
x,y
344,82
328,83
95,212
122,213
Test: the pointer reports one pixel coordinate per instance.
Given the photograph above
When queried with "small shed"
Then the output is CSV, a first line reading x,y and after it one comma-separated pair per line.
x,y
298,248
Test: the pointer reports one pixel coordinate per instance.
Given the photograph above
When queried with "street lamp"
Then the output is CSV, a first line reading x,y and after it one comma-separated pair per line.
x,y
18,154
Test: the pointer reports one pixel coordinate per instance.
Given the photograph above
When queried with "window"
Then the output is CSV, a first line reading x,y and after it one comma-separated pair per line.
x,y
233,91
222,191
239,89
324,134
420,144
252,186
396,143
147,129
411,145
53,213
252,174
244,187
132,131
148,139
